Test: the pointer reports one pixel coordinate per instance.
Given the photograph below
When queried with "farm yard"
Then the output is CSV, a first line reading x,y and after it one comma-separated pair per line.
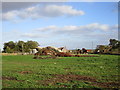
x,y
60,45
22,71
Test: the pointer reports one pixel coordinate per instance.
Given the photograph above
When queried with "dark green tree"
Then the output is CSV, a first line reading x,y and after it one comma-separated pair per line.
x,y
9,47
114,43
19,46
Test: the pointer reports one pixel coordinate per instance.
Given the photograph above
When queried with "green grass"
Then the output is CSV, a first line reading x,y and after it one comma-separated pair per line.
x,y
103,69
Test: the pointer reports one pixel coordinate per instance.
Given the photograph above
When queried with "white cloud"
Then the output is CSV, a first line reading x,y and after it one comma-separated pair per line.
x,y
34,35
51,27
42,11
61,10
9,15
89,27
96,26
90,31
66,35
30,35
70,28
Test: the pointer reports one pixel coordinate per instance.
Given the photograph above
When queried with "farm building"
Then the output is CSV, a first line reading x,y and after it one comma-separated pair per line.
x,y
90,50
62,49
104,48
33,51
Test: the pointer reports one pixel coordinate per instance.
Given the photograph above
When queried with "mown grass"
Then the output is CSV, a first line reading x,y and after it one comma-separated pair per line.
x,y
22,71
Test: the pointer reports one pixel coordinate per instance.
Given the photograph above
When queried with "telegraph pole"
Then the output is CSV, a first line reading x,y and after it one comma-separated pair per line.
x,y
22,47
92,45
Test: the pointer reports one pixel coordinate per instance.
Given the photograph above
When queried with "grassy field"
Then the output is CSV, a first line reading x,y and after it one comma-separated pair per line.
x,y
21,71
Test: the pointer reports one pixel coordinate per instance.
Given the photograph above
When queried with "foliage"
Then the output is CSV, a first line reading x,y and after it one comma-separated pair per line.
x,y
8,47
112,48
115,43
78,51
19,46
9,50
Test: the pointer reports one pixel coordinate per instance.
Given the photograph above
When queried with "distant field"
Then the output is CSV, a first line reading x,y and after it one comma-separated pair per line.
x,y
21,71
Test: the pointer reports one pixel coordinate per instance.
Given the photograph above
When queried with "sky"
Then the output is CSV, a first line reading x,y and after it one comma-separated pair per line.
x,y
70,24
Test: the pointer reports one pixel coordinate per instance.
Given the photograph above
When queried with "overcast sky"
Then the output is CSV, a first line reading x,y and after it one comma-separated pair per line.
x,y
70,24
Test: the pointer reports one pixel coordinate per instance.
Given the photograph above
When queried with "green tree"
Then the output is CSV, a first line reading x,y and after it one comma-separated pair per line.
x,y
16,49
113,42
32,44
8,50
9,46
20,46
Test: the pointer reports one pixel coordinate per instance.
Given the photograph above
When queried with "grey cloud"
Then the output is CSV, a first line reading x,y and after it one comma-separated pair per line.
x,y
40,11
9,6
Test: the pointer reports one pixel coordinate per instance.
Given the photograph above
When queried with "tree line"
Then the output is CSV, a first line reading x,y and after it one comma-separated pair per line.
x,y
112,48
20,46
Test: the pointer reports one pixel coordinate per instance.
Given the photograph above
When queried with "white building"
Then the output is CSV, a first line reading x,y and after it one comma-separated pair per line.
x,y
33,51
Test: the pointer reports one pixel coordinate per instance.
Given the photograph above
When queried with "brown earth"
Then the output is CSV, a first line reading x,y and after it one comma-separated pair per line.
x,y
44,57
66,68
25,72
11,78
59,78
86,56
